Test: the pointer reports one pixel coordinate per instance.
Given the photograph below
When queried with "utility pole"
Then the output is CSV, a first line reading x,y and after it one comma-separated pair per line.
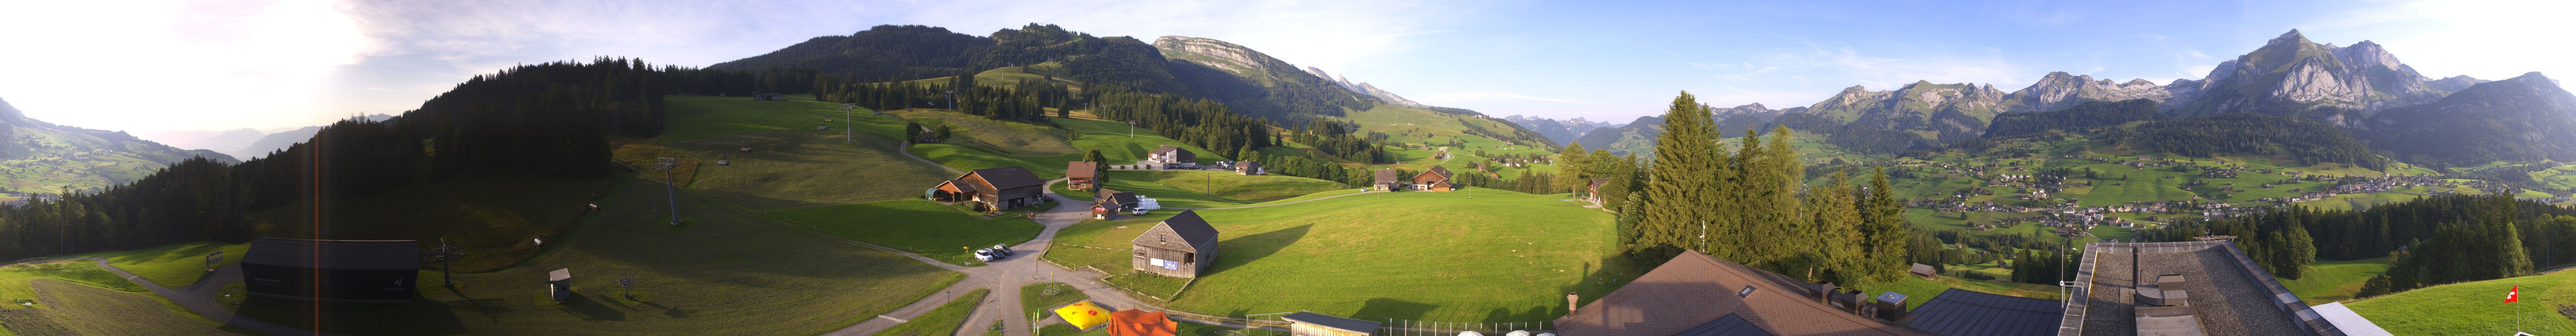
x,y
847,137
669,189
952,100
443,255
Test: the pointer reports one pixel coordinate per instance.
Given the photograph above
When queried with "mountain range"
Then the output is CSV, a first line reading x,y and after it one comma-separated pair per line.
x,y
43,157
2361,87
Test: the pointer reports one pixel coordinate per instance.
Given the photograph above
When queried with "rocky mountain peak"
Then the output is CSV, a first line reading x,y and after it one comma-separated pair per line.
x,y
2292,38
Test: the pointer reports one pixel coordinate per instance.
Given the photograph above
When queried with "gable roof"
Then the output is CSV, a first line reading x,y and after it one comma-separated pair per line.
x,y
1694,289
1443,171
1596,183
1120,198
1163,149
1246,165
1082,169
1386,175
1005,177
1335,322
1962,312
1195,233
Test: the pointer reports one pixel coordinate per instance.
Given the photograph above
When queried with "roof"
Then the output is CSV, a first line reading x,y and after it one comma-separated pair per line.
x,y
1731,325
559,274
1194,232
2351,323
1922,269
1596,183
1443,171
2229,295
1120,198
1386,175
1335,322
1694,289
1246,164
1964,312
1082,169
1163,149
1006,177
335,254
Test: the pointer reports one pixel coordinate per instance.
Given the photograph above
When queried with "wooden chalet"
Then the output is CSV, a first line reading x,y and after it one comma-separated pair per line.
x,y
993,189
1107,202
1387,180
1249,168
1180,246
1592,191
1082,175
1436,179
1173,155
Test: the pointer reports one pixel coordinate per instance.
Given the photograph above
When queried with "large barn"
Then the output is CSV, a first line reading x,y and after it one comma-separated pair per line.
x,y
1180,246
1435,179
367,271
993,189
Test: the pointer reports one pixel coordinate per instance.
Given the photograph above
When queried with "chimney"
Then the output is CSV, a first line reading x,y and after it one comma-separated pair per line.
x,y
1572,301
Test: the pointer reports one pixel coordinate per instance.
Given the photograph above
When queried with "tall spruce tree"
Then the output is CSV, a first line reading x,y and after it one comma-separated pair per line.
x,y
1681,194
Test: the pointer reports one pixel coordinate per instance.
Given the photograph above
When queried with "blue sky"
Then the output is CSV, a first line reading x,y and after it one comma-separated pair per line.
x,y
204,65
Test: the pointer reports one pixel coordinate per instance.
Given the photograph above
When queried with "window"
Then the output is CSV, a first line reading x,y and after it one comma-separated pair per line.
x,y
1192,257
1748,291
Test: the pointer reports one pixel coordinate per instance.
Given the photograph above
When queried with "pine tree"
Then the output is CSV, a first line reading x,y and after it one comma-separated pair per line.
x,y
1680,195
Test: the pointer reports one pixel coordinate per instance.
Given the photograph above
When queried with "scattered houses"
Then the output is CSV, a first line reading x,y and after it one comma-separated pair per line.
x,y
993,189
1180,246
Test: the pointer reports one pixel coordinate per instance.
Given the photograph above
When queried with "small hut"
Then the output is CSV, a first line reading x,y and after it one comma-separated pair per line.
x,y
1180,246
1924,271
559,285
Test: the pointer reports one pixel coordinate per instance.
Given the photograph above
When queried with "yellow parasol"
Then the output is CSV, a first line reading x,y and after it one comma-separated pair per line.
x,y
1083,315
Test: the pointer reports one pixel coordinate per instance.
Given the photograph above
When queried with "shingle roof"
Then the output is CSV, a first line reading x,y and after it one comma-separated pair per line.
x,y
1386,175
1082,169
1007,177
1335,322
1163,149
1114,197
1731,325
1693,289
335,254
1443,171
1961,312
1189,227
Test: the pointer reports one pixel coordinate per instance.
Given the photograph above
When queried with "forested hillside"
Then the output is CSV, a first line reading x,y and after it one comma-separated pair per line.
x,y
38,157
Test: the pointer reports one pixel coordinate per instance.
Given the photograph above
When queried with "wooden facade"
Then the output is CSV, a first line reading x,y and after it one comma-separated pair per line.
x,y
1082,175
993,189
1436,179
1180,246
1387,180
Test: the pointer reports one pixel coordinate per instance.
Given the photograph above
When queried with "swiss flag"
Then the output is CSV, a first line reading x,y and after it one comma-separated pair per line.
x,y
2513,295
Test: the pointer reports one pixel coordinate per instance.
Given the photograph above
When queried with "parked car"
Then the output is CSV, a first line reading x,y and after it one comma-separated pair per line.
x,y
985,255
1004,249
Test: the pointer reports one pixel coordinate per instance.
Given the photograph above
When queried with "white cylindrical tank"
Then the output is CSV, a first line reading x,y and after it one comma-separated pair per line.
x,y
1517,333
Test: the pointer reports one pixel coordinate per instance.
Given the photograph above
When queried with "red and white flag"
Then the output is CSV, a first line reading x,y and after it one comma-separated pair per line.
x,y
2513,295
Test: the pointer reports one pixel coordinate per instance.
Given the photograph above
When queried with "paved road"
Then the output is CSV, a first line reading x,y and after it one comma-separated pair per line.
x,y
1003,277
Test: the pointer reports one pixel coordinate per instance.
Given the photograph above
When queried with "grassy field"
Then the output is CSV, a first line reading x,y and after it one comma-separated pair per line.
x,y
797,169
721,272
1013,138
1035,299
942,321
919,226
2476,308
1116,143
1183,188
1484,253
2330,281
77,297
694,116
494,216
174,265
965,158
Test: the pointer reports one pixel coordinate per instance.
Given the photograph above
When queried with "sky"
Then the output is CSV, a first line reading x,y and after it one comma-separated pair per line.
x,y
150,65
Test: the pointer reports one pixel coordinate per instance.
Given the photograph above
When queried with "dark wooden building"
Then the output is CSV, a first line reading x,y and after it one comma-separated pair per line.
x,y
993,189
369,271
1436,179
1113,202
1387,180
1082,175
1180,246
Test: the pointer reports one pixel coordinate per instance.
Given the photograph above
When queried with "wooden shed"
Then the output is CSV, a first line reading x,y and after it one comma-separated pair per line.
x,y
993,189
1180,246
1312,324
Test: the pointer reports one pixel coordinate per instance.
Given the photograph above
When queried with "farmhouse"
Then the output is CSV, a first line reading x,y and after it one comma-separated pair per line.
x,y
369,271
1387,180
1179,246
1592,191
1171,155
1436,179
1082,175
1695,294
1249,168
993,189
1113,201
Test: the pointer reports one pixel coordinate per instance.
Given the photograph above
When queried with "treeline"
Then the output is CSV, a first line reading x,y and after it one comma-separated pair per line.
x,y
1205,123
1746,205
1024,101
2247,133
1334,138
549,119
2277,240
2080,117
